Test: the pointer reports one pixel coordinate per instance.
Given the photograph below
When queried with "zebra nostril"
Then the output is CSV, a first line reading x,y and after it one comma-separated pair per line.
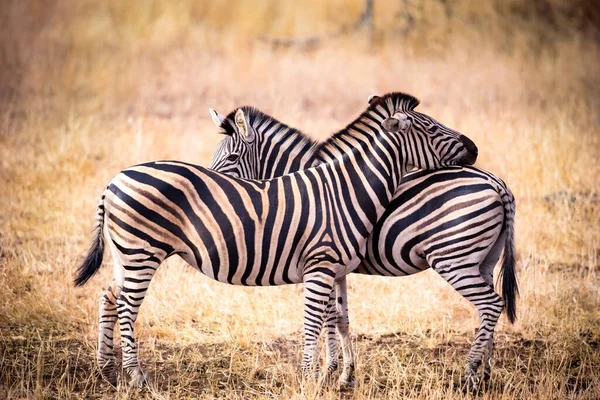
x,y
471,147
471,156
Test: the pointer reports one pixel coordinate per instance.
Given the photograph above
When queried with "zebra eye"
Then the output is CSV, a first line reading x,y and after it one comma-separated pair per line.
x,y
233,157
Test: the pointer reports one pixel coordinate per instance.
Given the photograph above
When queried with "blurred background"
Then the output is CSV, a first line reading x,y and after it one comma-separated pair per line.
x,y
88,88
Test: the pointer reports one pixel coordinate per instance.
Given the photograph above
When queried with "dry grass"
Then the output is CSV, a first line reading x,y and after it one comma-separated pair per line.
x,y
86,90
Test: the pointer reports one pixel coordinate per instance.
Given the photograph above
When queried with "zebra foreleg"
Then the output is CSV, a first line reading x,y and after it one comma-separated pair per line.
x,y
346,380
332,353
318,286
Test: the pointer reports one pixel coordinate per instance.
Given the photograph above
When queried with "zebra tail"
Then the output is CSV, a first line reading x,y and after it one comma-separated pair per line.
x,y
510,287
93,259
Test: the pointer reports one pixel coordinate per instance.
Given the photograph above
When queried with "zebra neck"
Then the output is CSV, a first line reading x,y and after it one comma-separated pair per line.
x,y
367,152
365,179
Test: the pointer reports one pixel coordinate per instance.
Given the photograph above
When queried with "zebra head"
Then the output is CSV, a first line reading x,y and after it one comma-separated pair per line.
x,y
258,146
234,154
427,144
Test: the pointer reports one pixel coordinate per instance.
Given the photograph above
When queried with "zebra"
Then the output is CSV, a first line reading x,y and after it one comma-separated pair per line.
x,y
306,227
454,220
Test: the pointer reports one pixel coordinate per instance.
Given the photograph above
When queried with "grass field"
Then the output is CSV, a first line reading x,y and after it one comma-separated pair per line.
x,y
86,90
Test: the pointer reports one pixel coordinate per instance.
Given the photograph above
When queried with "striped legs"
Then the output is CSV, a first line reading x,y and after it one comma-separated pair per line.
x,y
337,316
108,317
133,271
489,306
128,304
468,266
346,380
318,288
489,314
473,287
332,353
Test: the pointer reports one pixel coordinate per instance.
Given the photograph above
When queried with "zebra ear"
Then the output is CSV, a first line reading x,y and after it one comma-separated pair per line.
x,y
217,118
372,98
391,124
395,124
242,124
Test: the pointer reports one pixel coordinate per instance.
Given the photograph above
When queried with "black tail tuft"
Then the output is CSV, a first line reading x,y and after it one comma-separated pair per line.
x,y
510,287
93,259
92,262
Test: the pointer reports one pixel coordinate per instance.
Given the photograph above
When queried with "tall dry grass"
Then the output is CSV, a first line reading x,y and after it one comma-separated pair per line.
x,y
89,88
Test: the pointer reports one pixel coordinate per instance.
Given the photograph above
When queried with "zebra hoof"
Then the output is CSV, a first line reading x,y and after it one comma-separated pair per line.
x,y
478,382
473,379
328,378
487,371
109,373
476,378
332,368
473,383
311,373
346,381
344,386
138,379
112,379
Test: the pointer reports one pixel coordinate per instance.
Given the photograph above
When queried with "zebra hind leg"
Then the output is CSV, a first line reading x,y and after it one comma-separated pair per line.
x,y
486,269
472,286
139,266
107,319
128,304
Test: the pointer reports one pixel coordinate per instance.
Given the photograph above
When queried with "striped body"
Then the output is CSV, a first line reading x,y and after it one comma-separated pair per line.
x,y
233,230
456,220
454,213
310,226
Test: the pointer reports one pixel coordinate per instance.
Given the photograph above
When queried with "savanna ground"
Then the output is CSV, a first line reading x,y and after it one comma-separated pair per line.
x,y
89,88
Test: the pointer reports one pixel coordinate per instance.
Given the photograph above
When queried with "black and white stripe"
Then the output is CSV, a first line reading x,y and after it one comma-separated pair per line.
x,y
310,226
455,220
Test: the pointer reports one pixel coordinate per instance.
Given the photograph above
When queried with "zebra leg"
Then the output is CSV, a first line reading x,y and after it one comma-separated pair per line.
x,y
487,272
346,380
473,287
139,265
108,317
128,304
318,286
332,352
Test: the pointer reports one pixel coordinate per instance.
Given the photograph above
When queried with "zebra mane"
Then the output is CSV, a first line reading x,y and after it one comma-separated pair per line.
x,y
402,101
391,102
259,119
